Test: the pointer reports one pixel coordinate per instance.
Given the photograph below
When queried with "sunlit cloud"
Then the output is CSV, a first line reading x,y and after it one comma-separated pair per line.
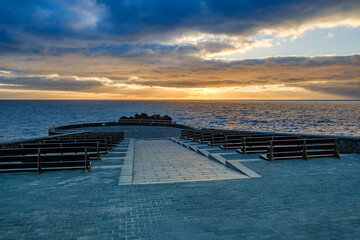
x,y
218,46
295,29
4,73
330,35
238,48
305,77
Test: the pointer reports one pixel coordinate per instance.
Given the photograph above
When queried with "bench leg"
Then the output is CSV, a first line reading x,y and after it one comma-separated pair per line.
x,y
304,153
271,153
336,150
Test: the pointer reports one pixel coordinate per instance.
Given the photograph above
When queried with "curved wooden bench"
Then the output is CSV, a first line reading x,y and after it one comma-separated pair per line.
x,y
302,149
58,152
34,156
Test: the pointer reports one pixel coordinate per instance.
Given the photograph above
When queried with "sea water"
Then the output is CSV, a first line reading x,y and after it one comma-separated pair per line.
x,y
20,119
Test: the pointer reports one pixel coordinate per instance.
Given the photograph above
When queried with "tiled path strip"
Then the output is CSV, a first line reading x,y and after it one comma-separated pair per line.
x,y
126,174
163,161
119,158
114,159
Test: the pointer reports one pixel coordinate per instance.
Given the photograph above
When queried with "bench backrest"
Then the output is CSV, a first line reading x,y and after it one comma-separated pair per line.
x,y
106,142
63,144
269,138
51,157
27,151
233,140
303,148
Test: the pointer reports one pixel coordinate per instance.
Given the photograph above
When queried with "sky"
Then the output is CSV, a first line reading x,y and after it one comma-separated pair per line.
x,y
180,49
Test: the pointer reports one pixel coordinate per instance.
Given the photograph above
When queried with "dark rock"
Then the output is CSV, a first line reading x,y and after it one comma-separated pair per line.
x,y
155,116
143,116
166,117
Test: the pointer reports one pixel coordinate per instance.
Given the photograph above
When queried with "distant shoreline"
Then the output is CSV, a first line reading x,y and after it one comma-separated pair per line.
x,y
181,100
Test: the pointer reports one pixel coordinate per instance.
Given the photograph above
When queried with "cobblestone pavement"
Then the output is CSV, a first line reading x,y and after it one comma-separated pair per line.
x,y
319,199
163,161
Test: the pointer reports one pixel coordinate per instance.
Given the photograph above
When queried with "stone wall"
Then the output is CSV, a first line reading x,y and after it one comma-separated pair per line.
x,y
54,130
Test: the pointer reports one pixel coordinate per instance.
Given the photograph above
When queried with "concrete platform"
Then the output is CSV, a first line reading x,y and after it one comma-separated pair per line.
x,y
297,199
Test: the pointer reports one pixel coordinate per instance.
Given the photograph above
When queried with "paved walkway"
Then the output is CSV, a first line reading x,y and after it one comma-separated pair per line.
x,y
319,199
163,161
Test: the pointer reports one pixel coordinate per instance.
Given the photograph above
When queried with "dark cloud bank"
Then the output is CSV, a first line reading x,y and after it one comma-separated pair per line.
x,y
119,27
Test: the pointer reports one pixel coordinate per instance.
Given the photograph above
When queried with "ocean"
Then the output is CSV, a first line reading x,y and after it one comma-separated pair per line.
x,y
21,119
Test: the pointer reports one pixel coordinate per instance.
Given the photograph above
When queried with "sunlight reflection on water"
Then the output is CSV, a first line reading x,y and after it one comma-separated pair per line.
x,y
21,119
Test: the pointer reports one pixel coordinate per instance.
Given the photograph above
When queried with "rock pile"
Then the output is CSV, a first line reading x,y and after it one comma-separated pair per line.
x,y
145,116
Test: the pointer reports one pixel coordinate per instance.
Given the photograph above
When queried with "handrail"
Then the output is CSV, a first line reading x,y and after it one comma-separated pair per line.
x,y
37,138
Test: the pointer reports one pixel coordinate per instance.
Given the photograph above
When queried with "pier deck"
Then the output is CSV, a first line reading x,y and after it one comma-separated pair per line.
x,y
318,199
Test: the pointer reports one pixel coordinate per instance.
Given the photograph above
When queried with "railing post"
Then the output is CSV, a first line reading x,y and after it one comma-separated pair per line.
x,y
106,149
336,150
86,161
212,140
304,152
39,170
226,147
111,142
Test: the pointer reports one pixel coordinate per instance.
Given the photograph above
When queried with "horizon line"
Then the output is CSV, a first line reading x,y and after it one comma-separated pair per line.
x,y
333,100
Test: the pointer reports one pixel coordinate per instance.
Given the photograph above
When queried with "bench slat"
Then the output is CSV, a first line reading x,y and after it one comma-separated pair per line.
x,y
44,158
